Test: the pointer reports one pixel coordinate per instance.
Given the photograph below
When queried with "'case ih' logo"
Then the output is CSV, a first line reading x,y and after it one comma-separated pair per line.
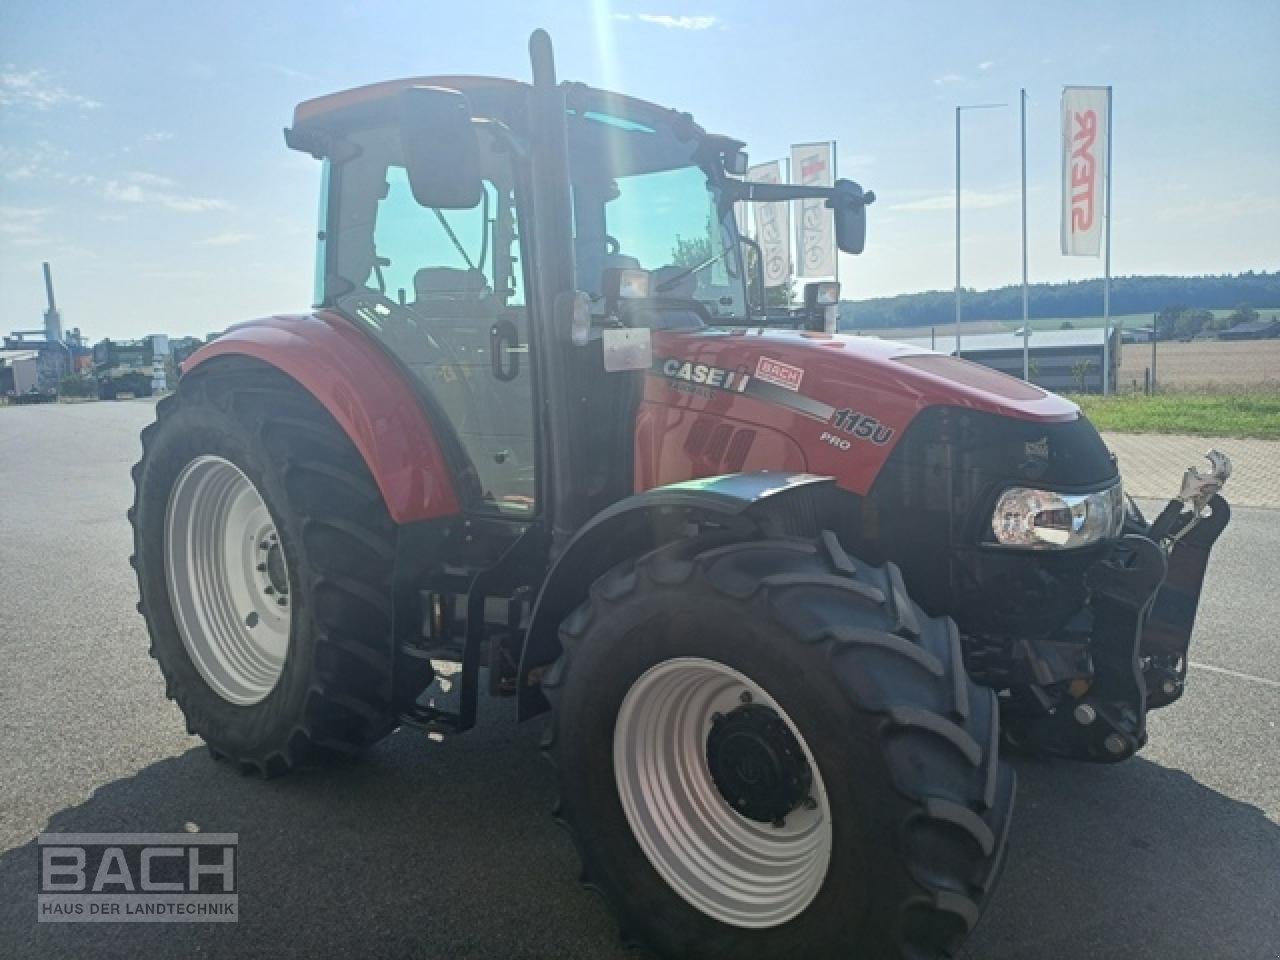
x,y
704,374
778,373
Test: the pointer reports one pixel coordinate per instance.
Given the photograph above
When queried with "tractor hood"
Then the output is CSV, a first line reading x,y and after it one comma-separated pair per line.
x,y
833,404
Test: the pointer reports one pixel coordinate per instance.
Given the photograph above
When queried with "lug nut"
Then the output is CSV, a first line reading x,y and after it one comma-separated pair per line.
x,y
283,601
745,696
261,568
1085,714
810,803
1115,744
268,590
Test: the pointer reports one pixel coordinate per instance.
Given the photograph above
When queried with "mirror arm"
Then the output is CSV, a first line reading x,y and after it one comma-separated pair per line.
x,y
757,279
773,192
752,192
510,139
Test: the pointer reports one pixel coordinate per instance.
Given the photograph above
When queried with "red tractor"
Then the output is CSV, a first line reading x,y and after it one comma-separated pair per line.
x,y
785,592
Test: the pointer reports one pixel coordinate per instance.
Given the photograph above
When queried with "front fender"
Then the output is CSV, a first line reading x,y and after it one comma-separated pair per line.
x,y
633,527
365,392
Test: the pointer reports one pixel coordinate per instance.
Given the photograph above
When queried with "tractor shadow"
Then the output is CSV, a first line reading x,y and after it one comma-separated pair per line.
x,y
446,851
1135,861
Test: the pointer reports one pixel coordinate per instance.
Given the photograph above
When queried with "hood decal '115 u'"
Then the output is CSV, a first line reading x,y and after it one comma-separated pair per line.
x,y
703,379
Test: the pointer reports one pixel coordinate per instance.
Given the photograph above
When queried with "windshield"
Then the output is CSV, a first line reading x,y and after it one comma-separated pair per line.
x,y
641,199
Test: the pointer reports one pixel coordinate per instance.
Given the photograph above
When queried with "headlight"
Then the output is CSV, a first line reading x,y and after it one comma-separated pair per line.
x,y
1045,520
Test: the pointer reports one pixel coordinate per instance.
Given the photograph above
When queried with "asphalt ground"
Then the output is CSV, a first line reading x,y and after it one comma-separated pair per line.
x,y
446,850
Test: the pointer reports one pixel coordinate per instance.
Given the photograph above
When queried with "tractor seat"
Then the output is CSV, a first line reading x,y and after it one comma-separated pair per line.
x,y
450,292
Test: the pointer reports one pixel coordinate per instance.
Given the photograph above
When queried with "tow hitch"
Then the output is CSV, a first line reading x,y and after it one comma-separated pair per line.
x,y
1144,597
1187,528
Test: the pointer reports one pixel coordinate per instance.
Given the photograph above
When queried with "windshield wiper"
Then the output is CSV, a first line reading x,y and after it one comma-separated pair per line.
x,y
672,282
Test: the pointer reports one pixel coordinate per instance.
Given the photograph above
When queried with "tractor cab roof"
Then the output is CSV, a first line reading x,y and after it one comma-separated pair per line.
x,y
348,105
487,95
503,99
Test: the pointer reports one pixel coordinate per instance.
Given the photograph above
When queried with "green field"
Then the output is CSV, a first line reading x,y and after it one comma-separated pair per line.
x,y
1199,414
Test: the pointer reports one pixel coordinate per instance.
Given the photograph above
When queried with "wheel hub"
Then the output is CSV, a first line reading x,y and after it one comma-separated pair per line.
x,y
757,764
722,793
273,566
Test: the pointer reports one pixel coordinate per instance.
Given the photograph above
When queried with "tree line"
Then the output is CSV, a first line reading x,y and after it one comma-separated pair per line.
x,y
1077,298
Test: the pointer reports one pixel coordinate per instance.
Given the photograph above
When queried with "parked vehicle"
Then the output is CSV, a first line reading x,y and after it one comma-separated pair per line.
x,y
778,588
124,367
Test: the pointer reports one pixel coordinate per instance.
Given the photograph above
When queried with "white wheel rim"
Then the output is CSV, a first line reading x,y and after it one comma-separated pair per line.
x,y
736,870
228,583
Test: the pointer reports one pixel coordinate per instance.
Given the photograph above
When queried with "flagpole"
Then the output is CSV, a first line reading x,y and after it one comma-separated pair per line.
x,y
1106,277
1026,313
834,176
957,350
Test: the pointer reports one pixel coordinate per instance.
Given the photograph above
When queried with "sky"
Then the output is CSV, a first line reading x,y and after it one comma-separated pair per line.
x,y
141,149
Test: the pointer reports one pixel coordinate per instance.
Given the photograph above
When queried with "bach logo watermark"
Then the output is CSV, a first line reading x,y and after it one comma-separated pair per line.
x,y
138,878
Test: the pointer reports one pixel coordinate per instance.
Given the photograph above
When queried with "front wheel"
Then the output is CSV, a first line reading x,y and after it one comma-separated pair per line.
x,y
766,749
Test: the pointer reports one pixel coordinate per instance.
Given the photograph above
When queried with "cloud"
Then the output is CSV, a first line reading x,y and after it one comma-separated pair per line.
x,y
291,73
36,90
1219,208
948,80
144,179
156,136
671,22
227,239
24,226
37,161
151,188
165,274
969,200
986,65
22,221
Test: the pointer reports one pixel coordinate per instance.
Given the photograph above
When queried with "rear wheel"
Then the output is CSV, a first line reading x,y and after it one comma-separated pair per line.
x,y
264,556
766,749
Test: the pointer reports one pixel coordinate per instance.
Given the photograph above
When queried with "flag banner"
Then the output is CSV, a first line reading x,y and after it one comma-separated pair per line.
x,y
1084,166
773,227
813,165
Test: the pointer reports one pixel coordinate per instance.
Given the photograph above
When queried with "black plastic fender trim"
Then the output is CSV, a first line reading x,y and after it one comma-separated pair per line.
x,y
631,528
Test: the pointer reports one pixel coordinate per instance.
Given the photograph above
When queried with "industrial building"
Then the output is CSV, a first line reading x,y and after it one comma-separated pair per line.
x,y
1064,361
55,355
18,371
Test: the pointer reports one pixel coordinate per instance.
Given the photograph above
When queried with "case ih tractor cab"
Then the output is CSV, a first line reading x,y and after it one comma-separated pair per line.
x,y
779,588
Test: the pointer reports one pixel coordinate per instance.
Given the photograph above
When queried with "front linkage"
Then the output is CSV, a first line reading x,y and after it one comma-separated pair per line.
x,y
1144,597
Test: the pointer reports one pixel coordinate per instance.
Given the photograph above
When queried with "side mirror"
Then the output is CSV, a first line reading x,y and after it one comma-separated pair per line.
x,y
850,207
441,154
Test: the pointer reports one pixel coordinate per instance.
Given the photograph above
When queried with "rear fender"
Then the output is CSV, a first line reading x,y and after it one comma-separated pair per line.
x,y
744,505
365,392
